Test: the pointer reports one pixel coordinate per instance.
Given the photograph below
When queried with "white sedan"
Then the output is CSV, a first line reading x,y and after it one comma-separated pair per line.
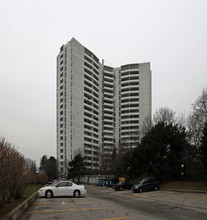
x,y
62,188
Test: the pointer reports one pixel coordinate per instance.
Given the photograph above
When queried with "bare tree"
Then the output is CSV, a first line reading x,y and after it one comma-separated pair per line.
x,y
195,128
164,114
14,172
181,119
200,105
31,164
197,119
146,125
107,158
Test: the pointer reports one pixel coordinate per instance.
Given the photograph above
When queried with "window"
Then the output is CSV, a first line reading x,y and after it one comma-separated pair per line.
x,y
64,184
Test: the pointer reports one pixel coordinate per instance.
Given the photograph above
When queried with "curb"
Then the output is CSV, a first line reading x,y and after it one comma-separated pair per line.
x,y
168,189
17,212
184,190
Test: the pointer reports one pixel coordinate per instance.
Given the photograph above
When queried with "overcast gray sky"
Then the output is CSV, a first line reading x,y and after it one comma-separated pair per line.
x,y
170,34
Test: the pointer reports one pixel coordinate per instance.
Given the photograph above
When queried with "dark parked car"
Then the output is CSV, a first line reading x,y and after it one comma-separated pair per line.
x,y
122,185
146,184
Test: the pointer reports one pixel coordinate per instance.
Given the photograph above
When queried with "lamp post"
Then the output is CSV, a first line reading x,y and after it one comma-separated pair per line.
x,y
99,176
36,173
182,172
128,172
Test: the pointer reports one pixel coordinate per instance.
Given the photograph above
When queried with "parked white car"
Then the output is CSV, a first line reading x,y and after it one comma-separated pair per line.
x,y
62,188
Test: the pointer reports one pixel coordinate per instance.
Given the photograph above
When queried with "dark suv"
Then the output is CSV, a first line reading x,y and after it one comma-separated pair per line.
x,y
146,184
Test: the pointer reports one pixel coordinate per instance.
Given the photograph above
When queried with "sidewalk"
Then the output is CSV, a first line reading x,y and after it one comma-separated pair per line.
x,y
184,190
162,188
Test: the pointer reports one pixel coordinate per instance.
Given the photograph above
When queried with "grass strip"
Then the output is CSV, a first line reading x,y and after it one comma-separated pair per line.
x,y
8,207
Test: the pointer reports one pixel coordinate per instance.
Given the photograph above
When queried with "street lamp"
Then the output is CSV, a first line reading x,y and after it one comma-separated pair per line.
x,y
36,173
182,172
99,176
128,171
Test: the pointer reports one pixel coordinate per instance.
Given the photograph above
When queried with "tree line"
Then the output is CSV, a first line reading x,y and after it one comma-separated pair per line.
x,y
170,146
167,142
49,167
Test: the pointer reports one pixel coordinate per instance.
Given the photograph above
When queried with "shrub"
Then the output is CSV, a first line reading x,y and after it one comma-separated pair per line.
x,y
14,172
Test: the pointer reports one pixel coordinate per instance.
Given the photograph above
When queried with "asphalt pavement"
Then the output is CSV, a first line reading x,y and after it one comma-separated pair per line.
x,y
179,197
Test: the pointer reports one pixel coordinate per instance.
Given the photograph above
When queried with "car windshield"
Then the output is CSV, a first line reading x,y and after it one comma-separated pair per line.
x,y
141,181
138,182
53,184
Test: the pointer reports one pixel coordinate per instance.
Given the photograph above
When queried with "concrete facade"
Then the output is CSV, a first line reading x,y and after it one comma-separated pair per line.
x,y
98,106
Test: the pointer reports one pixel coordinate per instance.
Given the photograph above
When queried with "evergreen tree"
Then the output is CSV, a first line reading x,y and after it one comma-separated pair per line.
x,y
77,167
51,168
160,152
43,163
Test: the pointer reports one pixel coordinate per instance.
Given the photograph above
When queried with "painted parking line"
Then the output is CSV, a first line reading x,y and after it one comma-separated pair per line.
x,y
114,218
141,195
121,192
157,193
163,193
160,195
192,200
152,194
68,210
60,203
47,203
175,196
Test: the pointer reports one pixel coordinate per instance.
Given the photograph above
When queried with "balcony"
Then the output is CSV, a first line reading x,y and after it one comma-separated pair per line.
x,y
109,78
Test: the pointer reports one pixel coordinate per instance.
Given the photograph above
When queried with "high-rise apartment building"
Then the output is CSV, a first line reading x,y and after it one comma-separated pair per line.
x,y
99,107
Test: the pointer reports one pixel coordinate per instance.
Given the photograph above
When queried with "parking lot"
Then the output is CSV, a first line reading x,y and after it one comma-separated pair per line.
x,y
70,208
198,200
100,203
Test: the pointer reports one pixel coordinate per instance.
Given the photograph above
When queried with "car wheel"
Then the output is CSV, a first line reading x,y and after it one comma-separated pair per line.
x,y
76,193
156,188
140,189
49,194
